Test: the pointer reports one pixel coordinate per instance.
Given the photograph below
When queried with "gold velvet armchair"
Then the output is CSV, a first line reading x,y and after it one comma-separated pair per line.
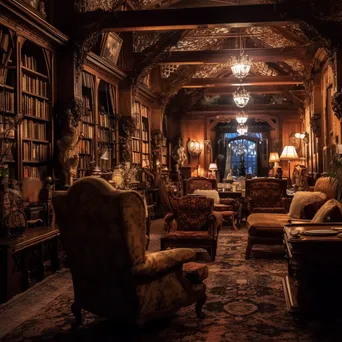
x,y
103,234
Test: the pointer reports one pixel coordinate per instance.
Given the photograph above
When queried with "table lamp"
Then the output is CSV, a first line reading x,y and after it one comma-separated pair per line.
x,y
274,158
289,153
213,169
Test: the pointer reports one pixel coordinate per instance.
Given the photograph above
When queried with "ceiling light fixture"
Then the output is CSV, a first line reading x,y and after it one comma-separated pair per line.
x,y
241,97
242,129
241,117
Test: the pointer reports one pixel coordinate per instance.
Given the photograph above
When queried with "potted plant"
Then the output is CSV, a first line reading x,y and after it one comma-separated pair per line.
x,y
335,172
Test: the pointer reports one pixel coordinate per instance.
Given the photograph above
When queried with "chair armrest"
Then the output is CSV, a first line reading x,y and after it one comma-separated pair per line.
x,y
163,261
169,222
299,221
215,223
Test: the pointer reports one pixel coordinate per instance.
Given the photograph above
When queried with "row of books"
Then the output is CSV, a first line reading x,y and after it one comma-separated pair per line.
x,y
34,130
136,145
85,147
29,62
145,148
35,86
144,135
35,107
136,158
87,80
32,171
6,101
106,135
86,129
106,121
35,152
164,160
84,162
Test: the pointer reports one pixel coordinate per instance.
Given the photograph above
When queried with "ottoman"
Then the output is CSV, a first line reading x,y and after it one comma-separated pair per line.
x,y
265,229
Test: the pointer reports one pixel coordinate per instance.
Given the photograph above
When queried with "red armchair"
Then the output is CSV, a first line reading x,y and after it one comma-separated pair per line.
x,y
192,223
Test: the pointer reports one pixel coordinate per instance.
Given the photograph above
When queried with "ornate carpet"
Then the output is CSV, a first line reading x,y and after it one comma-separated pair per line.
x,y
245,303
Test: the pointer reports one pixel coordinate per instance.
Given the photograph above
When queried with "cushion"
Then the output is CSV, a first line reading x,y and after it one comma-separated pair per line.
x,y
311,209
330,211
210,194
188,235
302,198
266,224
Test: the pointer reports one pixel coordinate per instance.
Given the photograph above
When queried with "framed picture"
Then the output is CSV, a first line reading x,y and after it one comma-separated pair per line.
x,y
111,46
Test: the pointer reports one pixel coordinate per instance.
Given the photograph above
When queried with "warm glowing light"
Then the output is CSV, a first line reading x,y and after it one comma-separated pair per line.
x,y
241,118
241,66
195,147
241,97
242,129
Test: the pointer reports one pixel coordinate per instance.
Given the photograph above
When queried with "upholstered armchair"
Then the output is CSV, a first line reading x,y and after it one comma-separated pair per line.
x,y
103,233
228,207
266,195
193,223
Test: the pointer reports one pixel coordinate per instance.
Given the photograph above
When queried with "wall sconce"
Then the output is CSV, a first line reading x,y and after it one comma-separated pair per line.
x,y
304,136
195,148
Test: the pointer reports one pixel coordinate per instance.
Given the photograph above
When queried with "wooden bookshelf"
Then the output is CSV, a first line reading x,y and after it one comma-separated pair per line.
x,y
141,142
98,125
37,126
166,153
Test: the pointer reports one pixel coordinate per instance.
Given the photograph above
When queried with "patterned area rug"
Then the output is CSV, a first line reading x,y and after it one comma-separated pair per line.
x,y
245,303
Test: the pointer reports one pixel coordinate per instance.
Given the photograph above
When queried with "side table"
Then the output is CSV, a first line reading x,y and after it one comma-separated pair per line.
x,y
312,286
28,259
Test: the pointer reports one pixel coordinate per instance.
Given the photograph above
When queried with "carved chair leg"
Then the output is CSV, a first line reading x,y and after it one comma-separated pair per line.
x,y
199,306
233,222
76,310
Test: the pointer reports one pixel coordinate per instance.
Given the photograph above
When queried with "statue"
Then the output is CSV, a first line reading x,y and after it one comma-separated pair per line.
x,y
127,128
178,153
300,177
68,148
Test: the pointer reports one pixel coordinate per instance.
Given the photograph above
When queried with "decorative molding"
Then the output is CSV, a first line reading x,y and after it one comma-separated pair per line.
x,y
336,103
315,123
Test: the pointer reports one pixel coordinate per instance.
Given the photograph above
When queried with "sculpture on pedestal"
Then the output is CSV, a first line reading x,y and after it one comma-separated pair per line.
x,y
178,153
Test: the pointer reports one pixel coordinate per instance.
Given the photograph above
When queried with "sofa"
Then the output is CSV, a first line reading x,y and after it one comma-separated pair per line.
x,y
267,228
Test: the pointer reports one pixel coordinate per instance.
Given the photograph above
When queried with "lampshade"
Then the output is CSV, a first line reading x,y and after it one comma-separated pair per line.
x,y
289,153
274,157
213,167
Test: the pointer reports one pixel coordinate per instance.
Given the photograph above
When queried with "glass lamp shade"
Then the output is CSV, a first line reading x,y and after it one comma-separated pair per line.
x,y
241,66
117,178
195,147
241,97
105,155
274,157
241,118
300,135
242,129
289,153
213,167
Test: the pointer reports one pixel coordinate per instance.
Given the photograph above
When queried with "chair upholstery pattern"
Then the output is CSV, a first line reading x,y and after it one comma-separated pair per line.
x,y
199,183
192,212
326,185
193,223
266,195
103,234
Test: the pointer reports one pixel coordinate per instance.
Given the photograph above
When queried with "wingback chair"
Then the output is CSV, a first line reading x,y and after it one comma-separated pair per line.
x,y
103,233
193,223
266,195
198,183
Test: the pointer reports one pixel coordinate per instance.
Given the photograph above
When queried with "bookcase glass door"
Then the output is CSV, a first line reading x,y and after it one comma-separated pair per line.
x,y
107,126
86,126
36,106
136,139
8,89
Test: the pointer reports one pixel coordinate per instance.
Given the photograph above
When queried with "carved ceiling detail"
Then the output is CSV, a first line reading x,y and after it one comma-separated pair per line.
x,y
263,69
143,40
83,6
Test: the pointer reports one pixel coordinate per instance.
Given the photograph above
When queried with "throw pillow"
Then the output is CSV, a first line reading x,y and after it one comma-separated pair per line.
x,y
311,209
330,211
302,198
210,194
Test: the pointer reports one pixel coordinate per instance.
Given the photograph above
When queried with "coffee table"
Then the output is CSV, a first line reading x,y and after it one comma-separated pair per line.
x,y
313,285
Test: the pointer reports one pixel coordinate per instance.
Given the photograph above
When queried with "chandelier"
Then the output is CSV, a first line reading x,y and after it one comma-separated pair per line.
x,y
241,117
241,97
242,129
241,65
239,149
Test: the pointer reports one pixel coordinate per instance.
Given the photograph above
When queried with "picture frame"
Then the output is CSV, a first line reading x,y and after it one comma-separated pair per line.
x,y
110,47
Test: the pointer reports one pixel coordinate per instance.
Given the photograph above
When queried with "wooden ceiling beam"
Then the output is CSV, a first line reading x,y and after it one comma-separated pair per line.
x,y
222,56
252,90
184,18
248,81
248,108
251,113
